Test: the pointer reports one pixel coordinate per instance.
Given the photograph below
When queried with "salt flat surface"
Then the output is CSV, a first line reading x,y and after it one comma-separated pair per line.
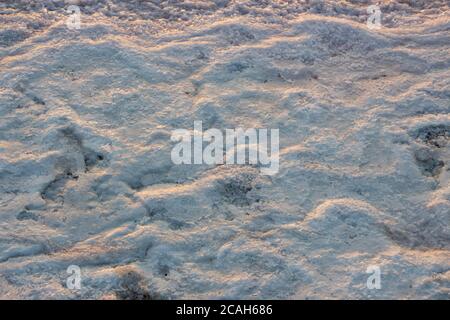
x,y
86,177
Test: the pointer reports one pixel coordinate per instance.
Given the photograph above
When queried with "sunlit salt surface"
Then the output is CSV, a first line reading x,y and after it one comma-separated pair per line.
x,y
86,177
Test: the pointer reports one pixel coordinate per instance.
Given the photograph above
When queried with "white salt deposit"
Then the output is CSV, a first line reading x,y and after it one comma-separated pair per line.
x,y
86,177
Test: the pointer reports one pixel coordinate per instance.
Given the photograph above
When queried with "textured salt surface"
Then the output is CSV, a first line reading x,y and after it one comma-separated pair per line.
x,y
85,170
